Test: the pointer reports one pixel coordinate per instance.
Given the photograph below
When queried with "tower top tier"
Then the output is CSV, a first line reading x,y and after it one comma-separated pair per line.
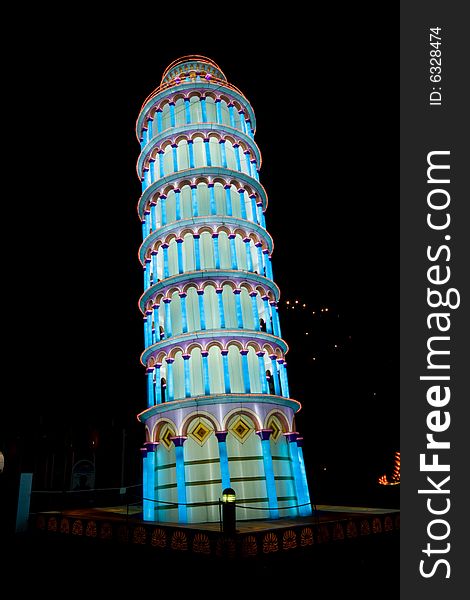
x,y
189,76
190,67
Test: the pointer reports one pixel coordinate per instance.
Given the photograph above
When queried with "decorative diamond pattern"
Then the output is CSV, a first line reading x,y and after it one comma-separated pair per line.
x,y
166,434
200,431
275,425
241,429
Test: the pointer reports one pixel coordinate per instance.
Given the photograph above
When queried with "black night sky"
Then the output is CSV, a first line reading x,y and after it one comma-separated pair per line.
x,y
331,175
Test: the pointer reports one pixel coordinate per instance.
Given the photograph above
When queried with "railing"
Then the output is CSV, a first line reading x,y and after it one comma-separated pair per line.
x,y
128,503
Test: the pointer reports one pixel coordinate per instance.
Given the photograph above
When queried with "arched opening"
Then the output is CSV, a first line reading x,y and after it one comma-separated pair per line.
x,y
230,309
166,117
235,370
243,161
219,195
203,199
186,201
224,251
165,463
225,112
168,160
230,154
235,199
207,251
173,257
211,308
175,312
192,310
283,475
199,153
211,110
241,252
247,310
246,464
216,372
195,364
178,376
236,118
183,155
214,147
253,369
163,389
171,207
204,471
270,380
188,252
195,109
179,112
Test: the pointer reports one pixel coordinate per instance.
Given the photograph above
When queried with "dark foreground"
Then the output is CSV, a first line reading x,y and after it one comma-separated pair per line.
x,y
364,567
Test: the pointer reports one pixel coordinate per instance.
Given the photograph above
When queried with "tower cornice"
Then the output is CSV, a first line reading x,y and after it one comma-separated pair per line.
x,y
173,133
178,227
168,91
180,178
201,401
202,277
223,336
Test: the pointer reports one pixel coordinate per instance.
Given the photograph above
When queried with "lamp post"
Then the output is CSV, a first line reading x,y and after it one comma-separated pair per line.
x,y
228,511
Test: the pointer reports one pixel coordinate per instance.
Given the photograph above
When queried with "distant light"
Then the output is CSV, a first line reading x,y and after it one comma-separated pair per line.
x,y
304,305
287,302
336,345
306,333
324,468
395,479
322,309
314,358
313,313
326,309
296,301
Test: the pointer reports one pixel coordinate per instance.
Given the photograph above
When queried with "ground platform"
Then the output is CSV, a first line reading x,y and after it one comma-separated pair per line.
x,y
329,525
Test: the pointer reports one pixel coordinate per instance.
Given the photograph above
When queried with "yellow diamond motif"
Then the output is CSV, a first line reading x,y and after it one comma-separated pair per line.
x,y
166,434
274,424
241,429
200,432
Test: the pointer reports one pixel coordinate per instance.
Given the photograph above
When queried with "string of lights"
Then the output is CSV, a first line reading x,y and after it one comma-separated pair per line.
x,y
306,310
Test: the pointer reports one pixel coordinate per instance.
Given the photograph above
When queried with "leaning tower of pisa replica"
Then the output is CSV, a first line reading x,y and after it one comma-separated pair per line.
x,y
219,413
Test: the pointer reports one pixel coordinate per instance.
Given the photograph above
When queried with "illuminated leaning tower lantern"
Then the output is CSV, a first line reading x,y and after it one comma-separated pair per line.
x,y
218,410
